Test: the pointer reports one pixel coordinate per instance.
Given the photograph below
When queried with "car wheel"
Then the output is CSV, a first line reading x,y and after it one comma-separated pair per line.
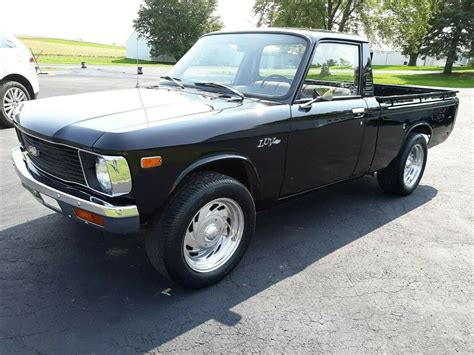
x,y
404,173
12,94
204,231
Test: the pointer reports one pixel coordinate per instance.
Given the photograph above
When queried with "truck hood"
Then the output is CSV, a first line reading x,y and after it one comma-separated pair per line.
x,y
82,119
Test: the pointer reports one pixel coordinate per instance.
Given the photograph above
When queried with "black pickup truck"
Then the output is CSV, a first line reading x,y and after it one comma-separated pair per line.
x,y
242,121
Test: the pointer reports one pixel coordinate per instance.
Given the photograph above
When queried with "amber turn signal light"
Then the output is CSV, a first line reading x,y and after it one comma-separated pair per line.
x,y
150,162
89,216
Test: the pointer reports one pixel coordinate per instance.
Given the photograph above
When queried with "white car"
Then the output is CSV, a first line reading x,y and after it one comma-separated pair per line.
x,y
18,77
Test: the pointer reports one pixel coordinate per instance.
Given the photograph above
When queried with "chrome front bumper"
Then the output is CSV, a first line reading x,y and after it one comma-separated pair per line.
x,y
117,219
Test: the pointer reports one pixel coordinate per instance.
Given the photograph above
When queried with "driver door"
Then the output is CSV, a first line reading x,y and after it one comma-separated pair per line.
x,y
326,137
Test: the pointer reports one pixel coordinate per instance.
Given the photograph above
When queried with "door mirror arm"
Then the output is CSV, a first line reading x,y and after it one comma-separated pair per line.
x,y
307,105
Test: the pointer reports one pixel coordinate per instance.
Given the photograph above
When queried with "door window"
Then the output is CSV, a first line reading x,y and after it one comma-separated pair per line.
x,y
333,70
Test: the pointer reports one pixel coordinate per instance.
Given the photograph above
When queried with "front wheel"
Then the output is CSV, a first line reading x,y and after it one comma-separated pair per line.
x,y
404,173
204,231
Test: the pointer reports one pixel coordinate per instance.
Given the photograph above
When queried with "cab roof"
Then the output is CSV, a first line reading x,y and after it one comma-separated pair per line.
x,y
313,35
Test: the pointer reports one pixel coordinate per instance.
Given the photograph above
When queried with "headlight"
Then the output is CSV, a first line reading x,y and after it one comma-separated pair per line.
x,y
113,175
102,174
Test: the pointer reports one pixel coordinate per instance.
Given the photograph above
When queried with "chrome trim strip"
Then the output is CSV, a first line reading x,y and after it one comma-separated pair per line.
x,y
82,168
47,141
31,183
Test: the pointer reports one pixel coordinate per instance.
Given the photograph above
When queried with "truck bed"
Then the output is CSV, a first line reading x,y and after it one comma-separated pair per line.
x,y
431,111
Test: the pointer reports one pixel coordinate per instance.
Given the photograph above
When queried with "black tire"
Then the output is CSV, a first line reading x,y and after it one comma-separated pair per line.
x,y
165,242
391,179
6,122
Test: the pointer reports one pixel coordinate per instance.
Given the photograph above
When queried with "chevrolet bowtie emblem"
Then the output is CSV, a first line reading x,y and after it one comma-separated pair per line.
x,y
32,150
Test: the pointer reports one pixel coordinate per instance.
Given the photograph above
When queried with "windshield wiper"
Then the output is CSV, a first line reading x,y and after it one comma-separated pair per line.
x,y
174,80
223,86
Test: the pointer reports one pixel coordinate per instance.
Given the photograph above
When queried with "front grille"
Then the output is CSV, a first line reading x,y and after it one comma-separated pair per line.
x,y
57,160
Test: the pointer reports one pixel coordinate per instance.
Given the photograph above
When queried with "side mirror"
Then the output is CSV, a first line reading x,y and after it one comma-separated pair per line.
x,y
327,96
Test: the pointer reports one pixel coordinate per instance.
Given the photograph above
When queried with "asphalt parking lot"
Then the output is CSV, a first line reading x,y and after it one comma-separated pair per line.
x,y
342,270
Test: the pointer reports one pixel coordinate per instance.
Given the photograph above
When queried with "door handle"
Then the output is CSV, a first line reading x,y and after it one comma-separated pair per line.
x,y
358,112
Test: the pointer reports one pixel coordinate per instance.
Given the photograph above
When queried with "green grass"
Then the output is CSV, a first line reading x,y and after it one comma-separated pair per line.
x,y
62,51
455,80
406,67
67,42
62,47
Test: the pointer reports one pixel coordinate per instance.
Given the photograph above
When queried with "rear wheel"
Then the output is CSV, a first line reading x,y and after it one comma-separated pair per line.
x,y
204,231
12,94
404,173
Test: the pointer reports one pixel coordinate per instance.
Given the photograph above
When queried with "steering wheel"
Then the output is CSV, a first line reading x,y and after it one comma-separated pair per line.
x,y
277,77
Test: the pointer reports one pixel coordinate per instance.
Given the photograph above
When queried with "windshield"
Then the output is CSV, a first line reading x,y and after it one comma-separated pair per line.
x,y
261,64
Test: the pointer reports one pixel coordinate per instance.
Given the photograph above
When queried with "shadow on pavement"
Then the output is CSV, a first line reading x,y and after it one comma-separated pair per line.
x,y
66,288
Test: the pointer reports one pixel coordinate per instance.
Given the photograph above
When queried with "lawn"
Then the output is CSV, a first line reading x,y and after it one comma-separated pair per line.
x,y
406,67
61,51
62,47
459,79
455,80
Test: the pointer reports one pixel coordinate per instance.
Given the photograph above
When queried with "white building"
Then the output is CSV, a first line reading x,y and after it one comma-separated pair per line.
x,y
384,54
391,57
137,48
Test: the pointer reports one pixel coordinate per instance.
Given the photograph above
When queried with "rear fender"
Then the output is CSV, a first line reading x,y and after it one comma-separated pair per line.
x,y
421,127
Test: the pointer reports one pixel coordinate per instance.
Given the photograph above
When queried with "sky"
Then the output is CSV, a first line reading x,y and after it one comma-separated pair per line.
x,y
102,21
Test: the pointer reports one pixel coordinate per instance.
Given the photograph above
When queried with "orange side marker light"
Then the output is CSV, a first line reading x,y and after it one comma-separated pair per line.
x,y
150,162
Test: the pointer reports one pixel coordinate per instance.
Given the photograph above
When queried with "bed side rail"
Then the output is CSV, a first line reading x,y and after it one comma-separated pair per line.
x,y
415,98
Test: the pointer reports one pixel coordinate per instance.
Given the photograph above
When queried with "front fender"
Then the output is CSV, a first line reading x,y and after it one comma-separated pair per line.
x,y
213,158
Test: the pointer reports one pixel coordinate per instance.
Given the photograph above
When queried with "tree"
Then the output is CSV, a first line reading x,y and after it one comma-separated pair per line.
x,y
172,26
403,24
452,32
324,14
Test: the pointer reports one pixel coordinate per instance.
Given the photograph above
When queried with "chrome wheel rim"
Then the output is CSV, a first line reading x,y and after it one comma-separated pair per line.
x,y
413,165
213,235
11,100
